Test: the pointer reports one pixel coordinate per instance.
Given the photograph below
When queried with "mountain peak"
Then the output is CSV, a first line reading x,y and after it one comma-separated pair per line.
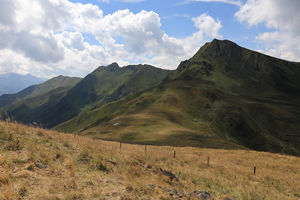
x,y
212,50
217,47
113,65
224,42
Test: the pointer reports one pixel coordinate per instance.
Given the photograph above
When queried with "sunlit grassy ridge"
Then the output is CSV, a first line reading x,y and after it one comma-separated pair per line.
x,y
42,164
225,96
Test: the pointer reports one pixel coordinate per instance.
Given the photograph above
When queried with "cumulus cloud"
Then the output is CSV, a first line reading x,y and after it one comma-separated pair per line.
x,y
7,12
47,37
73,40
208,25
29,27
12,61
283,16
37,47
141,32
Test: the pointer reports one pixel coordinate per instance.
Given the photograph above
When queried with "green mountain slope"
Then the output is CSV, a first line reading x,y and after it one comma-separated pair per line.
x,y
225,96
40,89
29,104
103,85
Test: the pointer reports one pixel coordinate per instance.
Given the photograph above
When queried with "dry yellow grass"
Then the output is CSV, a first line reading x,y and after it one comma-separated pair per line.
x,y
43,164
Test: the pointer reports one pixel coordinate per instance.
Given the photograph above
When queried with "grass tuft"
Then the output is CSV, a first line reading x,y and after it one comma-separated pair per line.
x,y
14,143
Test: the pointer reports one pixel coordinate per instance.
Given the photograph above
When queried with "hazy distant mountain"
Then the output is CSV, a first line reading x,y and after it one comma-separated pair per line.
x,y
225,96
31,103
11,83
39,89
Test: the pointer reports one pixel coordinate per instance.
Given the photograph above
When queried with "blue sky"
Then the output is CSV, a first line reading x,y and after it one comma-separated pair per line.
x,y
73,37
176,15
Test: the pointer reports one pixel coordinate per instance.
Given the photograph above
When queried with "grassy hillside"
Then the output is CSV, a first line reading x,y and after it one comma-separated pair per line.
x,y
31,104
102,86
39,89
160,116
41,164
224,97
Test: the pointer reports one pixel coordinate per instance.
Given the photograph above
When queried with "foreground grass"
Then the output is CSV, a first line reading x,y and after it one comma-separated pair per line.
x,y
42,164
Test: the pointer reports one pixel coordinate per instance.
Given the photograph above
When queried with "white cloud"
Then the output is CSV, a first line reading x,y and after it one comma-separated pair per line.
x,y
37,47
7,12
208,25
11,61
281,44
48,40
281,15
278,14
73,40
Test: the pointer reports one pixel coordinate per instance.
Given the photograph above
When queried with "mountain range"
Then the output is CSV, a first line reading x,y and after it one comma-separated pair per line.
x,y
11,83
225,96
62,98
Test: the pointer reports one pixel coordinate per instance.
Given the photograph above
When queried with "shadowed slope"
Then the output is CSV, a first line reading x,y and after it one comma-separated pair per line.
x,y
102,86
40,89
30,104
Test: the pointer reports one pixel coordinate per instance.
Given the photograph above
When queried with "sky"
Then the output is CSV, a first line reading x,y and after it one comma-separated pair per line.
x,y
47,38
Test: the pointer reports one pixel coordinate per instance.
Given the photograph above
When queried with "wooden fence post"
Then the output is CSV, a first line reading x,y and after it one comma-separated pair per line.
x,y
254,170
174,154
145,149
208,161
120,146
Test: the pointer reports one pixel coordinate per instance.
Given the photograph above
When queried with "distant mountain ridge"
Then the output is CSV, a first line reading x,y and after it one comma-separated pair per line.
x,y
11,83
30,103
39,89
103,85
